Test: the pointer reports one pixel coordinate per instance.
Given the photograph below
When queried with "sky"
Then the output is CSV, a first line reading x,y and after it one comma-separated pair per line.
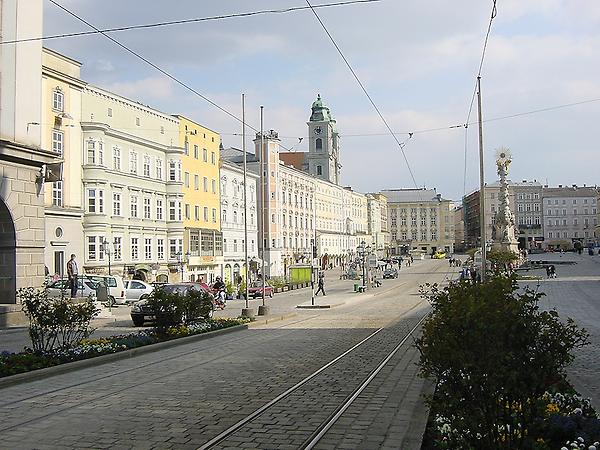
x,y
418,61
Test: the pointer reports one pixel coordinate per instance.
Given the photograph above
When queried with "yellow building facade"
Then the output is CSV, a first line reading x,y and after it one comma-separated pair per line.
x,y
203,239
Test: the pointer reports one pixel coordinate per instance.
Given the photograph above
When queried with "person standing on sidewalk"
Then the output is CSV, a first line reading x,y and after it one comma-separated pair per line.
x,y
321,285
72,272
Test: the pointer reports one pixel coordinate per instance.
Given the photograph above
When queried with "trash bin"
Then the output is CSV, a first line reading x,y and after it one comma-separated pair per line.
x,y
355,287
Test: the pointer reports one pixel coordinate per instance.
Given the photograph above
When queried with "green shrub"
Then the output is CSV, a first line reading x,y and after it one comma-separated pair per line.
x,y
493,353
173,309
56,324
278,282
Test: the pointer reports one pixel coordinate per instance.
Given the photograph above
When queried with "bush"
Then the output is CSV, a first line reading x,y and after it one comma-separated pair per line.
x,y
55,324
173,309
278,282
494,353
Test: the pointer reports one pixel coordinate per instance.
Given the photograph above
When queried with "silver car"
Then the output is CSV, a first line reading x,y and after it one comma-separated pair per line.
x,y
137,290
85,289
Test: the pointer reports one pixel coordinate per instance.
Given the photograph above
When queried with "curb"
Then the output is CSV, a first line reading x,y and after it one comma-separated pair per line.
x,y
268,320
47,372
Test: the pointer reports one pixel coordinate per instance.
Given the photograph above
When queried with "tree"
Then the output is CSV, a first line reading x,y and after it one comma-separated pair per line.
x,y
493,353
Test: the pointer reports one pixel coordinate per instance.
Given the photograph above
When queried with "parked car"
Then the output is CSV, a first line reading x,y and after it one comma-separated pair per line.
x,y
255,289
141,311
390,273
85,288
137,290
116,288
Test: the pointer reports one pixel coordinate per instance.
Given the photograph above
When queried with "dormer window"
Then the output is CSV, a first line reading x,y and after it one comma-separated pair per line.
x,y
58,100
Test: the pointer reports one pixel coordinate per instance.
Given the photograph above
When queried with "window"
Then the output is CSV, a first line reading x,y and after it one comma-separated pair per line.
x,y
213,184
196,212
196,154
172,171
133,162
214,215
187,211
213,158
172,248
148,249
172,210
116,204
109,112
57,142
134,249
91,152
162,130
147,212
159,209
116,158
550,234
186,147
160,249
159,175
204,155
196,182
95,201
137,121
319,170
186,179
92,248
133,211
58,100
319,144
206,214
205,183
146,166
118,248
57,193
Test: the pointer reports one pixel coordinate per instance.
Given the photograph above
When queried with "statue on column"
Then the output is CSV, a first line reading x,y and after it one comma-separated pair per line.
x,y
504,226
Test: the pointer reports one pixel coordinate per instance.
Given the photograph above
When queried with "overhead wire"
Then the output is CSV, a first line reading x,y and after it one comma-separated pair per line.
x,y
186,21
401,145
493,15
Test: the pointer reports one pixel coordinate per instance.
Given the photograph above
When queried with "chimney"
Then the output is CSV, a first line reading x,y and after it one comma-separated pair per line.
x,y
560,185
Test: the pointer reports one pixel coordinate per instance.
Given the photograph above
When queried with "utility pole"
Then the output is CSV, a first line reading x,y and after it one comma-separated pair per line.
x,y
247,311
481,184
263,310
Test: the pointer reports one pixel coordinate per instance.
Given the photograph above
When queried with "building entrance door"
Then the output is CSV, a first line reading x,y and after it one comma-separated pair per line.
x,y
8,256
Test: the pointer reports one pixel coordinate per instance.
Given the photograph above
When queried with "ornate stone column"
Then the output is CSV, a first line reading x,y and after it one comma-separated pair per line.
x,y
505,230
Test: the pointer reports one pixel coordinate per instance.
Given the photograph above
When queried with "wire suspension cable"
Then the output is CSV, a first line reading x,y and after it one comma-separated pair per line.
x,y
187,21
401,145
493,15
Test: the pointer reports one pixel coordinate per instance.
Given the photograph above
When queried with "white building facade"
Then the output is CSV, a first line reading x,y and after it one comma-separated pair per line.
x,y
232,221
131,188
419,220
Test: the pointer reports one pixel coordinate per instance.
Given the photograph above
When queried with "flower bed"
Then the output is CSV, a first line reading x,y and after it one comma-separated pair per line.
x,y
565,421
28,360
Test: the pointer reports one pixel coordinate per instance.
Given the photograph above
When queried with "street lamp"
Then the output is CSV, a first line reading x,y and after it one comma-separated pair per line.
x,y
181,257
361,252
106,249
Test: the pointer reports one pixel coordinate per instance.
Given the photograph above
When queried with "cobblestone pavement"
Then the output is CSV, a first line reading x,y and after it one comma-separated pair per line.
x,y
575,293
183,396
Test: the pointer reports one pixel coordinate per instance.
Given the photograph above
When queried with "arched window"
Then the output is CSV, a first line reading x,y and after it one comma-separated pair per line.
x,y
319,144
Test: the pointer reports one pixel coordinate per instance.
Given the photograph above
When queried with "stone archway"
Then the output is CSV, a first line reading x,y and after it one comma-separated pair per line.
x,y
8,256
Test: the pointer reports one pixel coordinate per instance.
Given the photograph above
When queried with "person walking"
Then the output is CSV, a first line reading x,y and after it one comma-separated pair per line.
x,y
72,272
321,285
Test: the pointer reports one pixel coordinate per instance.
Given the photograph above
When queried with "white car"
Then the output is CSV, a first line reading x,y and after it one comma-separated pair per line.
x,y
62,288
137,290
114,283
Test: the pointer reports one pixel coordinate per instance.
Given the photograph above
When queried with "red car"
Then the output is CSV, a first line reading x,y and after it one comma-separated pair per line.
x,y
255,289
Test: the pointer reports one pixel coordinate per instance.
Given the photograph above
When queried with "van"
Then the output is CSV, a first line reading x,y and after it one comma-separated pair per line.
x,y
115,285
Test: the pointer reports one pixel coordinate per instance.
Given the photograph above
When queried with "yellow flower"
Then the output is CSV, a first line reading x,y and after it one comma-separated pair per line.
x,y
552,408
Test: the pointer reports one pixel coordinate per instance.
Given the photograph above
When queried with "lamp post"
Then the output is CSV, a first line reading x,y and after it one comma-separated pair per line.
x,y
106,249
368,269
361,249
181,257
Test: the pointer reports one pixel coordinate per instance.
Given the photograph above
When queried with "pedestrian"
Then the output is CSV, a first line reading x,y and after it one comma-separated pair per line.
x,y
552,271
321,285
548,272
72,272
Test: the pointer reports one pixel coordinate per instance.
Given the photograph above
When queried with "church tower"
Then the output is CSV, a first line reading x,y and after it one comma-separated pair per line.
x,y
323,150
